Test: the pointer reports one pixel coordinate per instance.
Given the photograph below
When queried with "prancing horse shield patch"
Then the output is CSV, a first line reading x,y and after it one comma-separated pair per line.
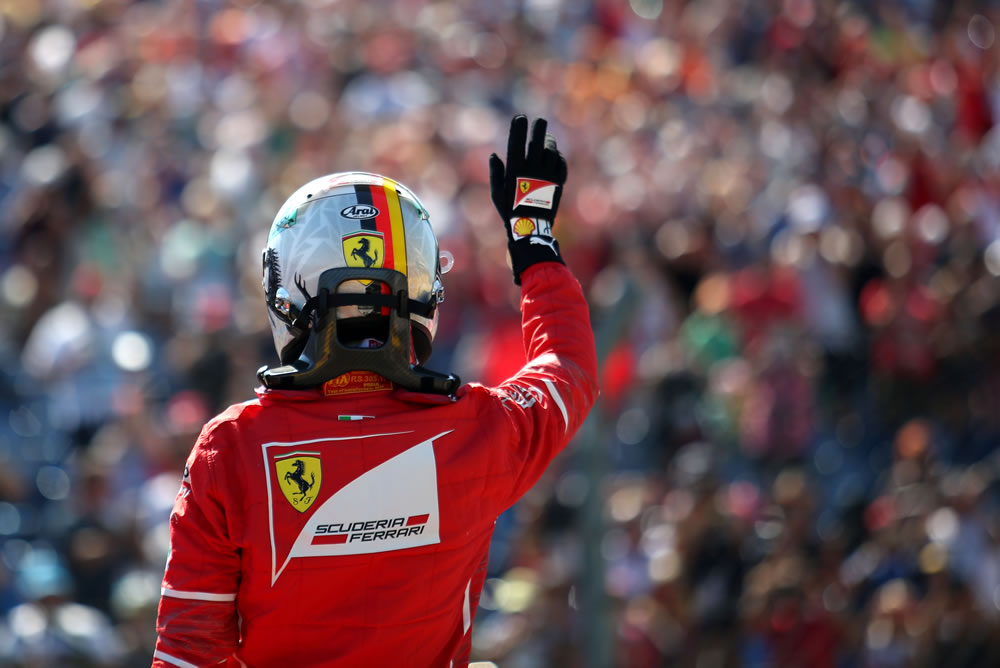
x,y
299,476
364,249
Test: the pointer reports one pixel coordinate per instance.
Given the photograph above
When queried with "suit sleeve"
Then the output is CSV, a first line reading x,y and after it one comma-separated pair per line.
x,y
197,618
545,403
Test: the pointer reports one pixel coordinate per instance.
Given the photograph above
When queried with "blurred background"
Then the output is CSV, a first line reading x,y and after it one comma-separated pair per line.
x,y
786,216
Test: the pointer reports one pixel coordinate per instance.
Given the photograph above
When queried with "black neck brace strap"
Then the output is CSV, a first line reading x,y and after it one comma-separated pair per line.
x,y
325,357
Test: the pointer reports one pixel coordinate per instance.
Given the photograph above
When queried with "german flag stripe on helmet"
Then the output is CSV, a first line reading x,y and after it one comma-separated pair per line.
x,y
383,224
364,195
389,221
398,237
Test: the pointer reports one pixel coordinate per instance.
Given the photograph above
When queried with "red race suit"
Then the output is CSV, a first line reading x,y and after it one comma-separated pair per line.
x,y
349,525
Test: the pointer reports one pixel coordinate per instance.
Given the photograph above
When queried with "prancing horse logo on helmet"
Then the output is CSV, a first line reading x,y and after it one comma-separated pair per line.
x,y
364,249
360,252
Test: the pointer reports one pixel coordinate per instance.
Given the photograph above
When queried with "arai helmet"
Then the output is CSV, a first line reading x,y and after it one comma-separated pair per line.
x,y
359,247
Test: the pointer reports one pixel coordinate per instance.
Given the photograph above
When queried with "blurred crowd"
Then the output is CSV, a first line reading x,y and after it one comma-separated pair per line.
x,y
786,214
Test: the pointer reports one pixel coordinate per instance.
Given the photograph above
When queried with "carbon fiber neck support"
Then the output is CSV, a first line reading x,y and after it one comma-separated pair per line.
x,y
325,357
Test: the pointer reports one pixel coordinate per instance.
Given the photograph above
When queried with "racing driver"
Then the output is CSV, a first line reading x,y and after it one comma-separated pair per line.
x,y
343,516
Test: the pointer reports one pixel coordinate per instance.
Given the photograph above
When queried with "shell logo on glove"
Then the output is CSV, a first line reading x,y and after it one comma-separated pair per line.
x,y
524,226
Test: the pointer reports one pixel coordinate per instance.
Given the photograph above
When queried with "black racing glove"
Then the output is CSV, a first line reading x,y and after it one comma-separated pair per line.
x,y
527,194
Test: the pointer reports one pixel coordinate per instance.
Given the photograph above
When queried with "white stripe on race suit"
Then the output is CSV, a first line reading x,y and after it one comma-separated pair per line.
x,y
196,595
466,611
559,401
172,660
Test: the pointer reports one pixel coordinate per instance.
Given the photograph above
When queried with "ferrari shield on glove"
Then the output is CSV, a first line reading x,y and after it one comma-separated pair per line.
x,y
526,193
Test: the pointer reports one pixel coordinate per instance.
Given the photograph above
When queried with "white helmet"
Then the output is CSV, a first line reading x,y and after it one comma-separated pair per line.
x,y
362,244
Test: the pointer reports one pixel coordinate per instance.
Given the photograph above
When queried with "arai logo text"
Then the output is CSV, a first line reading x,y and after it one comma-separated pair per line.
x,y
359,211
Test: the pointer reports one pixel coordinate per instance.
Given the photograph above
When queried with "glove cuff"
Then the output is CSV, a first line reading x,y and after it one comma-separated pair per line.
x,y
532,250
